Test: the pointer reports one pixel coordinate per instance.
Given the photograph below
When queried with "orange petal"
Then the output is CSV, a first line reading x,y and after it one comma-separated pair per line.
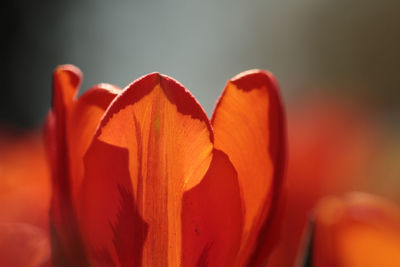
x,y
360,230
162,139
66,82
70,127
83,121
249,126
212,217
23,245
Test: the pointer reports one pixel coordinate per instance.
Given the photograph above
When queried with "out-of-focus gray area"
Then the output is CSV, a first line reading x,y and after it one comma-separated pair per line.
x,y
343,46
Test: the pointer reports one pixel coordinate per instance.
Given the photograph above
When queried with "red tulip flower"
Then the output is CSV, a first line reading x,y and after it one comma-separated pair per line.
x,y
356,231
141,176
333,149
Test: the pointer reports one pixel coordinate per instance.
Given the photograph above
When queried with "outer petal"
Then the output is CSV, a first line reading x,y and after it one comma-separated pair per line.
x,y
249,126
83,121
360,230
70,127
161,140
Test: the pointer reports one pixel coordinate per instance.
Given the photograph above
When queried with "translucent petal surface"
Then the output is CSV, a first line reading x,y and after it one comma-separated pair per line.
x,y
249,127
70,126
163,140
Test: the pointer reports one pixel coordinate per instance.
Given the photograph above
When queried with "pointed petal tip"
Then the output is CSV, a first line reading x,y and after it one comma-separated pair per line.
x,y
185,101
176,93
153,77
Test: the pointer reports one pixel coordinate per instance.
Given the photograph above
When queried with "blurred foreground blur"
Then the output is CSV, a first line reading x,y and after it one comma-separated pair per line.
x,y
335,146
24,200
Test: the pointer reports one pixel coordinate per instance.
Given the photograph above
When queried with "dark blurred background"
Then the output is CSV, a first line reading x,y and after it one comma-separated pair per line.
x,y
348,47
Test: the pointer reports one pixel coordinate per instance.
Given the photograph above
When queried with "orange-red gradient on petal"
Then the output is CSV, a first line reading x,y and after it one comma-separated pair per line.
x,y
249,125
142,184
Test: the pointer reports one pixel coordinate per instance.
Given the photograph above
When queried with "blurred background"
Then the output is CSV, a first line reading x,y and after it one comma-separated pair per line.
x,y
338,64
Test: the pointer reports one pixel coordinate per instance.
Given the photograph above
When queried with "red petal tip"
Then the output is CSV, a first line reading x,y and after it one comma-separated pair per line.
x,y
74,72
175,92
184,100
252,79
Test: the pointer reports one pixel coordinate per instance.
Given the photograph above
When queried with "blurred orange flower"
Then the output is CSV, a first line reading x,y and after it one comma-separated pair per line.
x,y
143,177
356,231
332,149
24,201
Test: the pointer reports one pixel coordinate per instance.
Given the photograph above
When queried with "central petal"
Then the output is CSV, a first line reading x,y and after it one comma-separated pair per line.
x,y
169,143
